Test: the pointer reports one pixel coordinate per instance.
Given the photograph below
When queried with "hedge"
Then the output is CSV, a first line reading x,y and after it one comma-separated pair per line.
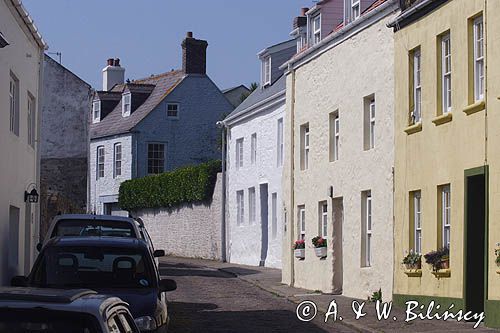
x,y
184,185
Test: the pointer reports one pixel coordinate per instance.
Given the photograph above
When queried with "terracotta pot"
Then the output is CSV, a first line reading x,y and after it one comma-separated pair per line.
x,y
444,264
300,253
320,251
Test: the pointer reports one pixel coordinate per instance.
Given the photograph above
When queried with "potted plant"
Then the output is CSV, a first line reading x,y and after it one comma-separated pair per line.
x,y
320,246
497,255
299,248
439,259
413,260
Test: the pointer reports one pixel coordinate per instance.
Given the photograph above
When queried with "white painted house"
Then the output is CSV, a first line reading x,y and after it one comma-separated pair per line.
x,y
255,150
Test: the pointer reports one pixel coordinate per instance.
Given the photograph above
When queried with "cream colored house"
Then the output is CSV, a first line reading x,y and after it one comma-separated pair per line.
x,y
21,63
447,134
338,172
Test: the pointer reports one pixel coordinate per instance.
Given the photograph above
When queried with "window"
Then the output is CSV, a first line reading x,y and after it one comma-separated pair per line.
x,y
266,71
251,205
239,153
366,227
100,162
416,221
416,113
117,165
253,148
274,215
355,9
445,195
304,158
478,59
369,123
96,111
279,143
14,104
316,29
172,110
156,158
323,219
302,222
240,206
446,72
334,136
31,120
301,42
126,104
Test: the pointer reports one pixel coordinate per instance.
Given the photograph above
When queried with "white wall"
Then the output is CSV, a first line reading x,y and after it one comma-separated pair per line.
x,y
245,240
108,185
19,166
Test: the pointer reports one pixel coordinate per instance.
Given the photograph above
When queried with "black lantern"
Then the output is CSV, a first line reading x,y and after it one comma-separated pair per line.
x,y
31,197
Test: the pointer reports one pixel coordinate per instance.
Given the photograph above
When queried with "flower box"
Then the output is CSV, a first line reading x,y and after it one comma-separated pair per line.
x,y
414,266
300,253
321,252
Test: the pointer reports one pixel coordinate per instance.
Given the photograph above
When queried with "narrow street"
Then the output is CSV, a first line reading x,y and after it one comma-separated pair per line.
x,y
209,300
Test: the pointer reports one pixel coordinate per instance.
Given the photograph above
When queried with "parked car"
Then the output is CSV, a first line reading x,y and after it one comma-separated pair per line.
x,y
61,311
118,266
76,225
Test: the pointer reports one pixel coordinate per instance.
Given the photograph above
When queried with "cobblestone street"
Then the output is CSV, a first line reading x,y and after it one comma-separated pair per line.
x,y
209,300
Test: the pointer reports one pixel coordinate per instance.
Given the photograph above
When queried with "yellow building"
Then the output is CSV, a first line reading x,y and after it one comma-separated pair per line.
x,y
447,169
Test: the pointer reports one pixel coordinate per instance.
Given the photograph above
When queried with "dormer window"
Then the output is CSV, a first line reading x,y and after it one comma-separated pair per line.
x,y
96,111
316,26
126,104
355,10
266,71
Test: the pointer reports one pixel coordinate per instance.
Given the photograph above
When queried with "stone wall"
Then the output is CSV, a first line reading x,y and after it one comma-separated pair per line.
x,y
192,230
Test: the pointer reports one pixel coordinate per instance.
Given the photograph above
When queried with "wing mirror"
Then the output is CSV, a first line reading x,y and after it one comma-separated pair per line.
x,y
159,253
167,285
19,281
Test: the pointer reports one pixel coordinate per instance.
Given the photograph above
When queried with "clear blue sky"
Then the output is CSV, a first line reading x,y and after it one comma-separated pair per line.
x,y
146,34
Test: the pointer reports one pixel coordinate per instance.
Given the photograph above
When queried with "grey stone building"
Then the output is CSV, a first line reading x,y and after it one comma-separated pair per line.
x,y
152,125
64,142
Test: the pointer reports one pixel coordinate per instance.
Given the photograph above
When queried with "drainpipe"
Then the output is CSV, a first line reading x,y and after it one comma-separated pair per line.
x,y
292,177
38,158
485,21
223,128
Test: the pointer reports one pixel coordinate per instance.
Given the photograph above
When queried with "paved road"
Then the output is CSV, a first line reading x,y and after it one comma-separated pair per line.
x,y
208,300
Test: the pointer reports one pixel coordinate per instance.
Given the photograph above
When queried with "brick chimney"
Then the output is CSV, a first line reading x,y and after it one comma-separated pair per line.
x,y
194,55
300,21
112,74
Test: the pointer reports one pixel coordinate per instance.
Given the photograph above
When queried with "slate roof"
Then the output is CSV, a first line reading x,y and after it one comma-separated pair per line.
x,y
257,96
114,123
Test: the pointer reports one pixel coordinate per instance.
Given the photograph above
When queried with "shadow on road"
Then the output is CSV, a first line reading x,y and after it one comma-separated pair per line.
x,y
179,269
204,317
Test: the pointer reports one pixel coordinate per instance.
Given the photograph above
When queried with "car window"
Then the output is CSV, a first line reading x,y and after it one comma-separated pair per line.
x,y
94,267
81,227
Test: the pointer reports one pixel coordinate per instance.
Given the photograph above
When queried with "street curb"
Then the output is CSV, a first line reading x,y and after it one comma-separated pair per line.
x,y
349,324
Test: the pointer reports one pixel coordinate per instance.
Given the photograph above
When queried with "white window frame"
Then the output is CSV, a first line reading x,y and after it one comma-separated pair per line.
x,y
240,207
266,71
371,114
251,205
173,107
417,221
96,111
323,220
14,104
336,137
117,159
126,104
307,139
274,215
31,121
446,214
479,59
302,222
100,160
446,72
155,170
253,148
355,9
417,86
239,153
368,226
280,143
316,29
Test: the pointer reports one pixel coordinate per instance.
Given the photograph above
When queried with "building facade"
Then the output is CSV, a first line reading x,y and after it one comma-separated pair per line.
x,y
338,172
255,150
445,157
152,125
64,143
21,71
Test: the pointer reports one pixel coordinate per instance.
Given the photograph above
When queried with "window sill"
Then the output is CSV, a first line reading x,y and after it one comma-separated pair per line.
x,y
473,108
413,128
443,119
413,272
442,273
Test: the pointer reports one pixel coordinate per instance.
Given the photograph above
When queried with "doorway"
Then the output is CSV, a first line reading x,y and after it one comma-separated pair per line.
x,y
264,223
14,216
476,198
336,234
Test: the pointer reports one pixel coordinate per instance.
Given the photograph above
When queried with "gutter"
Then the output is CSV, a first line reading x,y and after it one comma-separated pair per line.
x,y
232,119
30,24
408,13
339,36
